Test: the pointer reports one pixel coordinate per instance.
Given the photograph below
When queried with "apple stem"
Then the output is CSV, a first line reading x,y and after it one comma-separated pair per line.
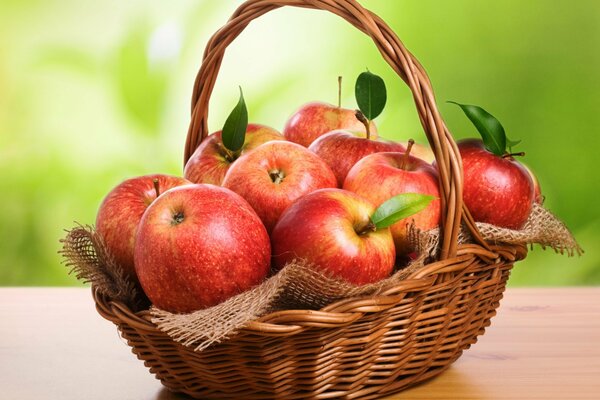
x,y
156,186
407,152
370,227
361,117
228,154
519,154
339,92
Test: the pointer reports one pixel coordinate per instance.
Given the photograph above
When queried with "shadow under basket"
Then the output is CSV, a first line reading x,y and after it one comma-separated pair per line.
x,y
359,347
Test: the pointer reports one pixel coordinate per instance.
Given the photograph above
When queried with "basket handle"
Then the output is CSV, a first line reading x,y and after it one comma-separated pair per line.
x,y
402,62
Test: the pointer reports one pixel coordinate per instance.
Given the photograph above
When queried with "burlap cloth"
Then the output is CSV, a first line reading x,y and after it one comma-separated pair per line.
x,y
297,286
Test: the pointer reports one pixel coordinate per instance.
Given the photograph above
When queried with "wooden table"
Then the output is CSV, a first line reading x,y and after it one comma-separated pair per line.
x,y
544,344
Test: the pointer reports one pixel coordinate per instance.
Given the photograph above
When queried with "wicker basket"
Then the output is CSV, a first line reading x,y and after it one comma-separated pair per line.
x,y
355,348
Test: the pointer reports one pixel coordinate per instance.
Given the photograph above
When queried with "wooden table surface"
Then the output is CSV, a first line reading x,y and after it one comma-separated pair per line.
x,y
543,344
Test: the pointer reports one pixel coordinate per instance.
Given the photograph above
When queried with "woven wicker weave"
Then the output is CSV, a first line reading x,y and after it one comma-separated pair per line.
x,y
356,348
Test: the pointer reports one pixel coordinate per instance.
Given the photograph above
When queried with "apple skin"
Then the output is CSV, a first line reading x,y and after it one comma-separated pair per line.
x,y
197,246
381,176
321,228
421,151
209,162
121,211
497,190
303,172
342,149
316,119
537,190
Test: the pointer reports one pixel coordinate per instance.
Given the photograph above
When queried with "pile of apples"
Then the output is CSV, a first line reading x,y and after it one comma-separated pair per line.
x,y
327,191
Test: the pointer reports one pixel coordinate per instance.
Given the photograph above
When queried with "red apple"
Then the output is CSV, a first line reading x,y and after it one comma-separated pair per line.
x,y
211,160
497,189
275,174
380,176
316,119
198,245
342,149
329,228
421,151
121,211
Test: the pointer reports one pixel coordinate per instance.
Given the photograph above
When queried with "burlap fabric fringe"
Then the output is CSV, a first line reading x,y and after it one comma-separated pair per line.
x,y
298,285
85,254
542,228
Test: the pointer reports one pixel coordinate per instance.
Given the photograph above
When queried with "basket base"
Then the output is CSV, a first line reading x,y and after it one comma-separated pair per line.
x,y
418,339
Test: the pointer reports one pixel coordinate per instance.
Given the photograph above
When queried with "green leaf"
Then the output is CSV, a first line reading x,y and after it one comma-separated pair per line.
x,y
489,128
511,143
371,94
234,130
399,207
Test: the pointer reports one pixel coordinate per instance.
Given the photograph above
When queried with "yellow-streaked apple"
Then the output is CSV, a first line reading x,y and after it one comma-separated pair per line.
x,y
274,175
211,160
380,176
198,245
315,119
341,149
121,211
332,230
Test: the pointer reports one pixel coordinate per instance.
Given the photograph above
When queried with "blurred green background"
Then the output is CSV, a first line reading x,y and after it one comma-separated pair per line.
x,y
94,92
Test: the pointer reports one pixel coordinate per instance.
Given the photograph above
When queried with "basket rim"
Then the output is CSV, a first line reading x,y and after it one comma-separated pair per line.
x,y
342,312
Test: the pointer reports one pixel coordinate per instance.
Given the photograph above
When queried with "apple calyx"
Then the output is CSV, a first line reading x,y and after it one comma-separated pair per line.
x,y
276,176
156,186
177,218
411,142
361,117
